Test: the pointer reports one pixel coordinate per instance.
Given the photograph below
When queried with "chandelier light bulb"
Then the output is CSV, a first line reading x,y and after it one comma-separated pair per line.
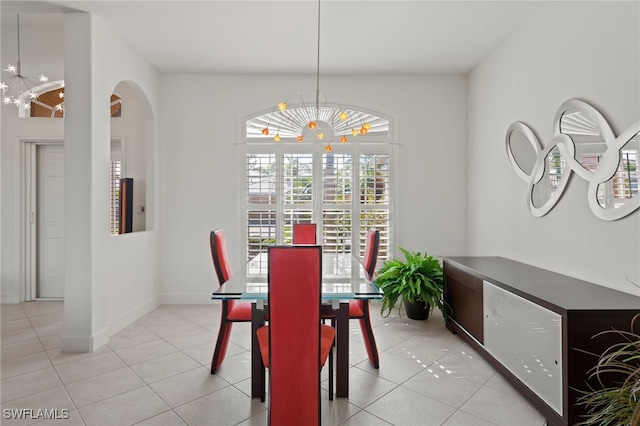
x,y
282,106
276,138
320,135
312,125
328,148
366,126
343,116
363,130
300,138
265,131
354,132
343,139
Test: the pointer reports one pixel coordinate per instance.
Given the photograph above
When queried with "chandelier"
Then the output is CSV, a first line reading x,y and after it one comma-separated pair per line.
x,y
318,122
17,89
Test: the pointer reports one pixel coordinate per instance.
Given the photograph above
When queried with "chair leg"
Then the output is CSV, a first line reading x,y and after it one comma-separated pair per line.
x,y
221,344
367,334
331,373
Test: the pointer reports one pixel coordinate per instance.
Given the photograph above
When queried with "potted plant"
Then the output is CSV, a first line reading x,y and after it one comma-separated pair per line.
x,y
418,282
616,398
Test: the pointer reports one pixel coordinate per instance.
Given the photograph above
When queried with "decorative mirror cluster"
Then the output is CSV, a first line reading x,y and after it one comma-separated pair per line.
x,y
582,143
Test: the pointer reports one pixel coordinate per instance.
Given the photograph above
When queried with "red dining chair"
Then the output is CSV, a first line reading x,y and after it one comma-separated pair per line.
x,y
295,345
304,233
232,311
359,309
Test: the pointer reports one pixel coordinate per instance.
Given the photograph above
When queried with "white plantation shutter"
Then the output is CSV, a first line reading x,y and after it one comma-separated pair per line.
x,y
115,173
260,202
115,196
374,200
346,192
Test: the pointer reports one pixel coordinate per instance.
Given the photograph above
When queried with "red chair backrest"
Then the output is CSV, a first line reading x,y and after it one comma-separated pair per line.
x,y
219,255
371,251
295,274
304,233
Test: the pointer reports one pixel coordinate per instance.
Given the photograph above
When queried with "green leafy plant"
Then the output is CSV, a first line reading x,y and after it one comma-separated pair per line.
x,y
419,278
616,401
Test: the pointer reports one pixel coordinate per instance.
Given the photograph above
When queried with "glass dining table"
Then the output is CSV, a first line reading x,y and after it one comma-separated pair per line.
x,y
343,279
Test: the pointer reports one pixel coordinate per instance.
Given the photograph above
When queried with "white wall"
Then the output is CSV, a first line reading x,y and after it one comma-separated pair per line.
x,y
121,269
201,120
111,281
34,28
586,50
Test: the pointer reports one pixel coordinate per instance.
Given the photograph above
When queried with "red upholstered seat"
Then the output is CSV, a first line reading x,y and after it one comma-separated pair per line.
x,y
327,335
295,345
232,311
304,233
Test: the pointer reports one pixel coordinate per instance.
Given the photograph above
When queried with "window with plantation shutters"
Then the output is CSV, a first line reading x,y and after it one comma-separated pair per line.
x,y
115,173
346,192
115,196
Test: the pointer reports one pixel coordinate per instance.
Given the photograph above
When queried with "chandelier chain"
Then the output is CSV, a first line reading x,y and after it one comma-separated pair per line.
x,y
318,66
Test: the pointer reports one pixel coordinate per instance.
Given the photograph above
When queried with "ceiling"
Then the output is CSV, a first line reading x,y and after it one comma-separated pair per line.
x,y
281,37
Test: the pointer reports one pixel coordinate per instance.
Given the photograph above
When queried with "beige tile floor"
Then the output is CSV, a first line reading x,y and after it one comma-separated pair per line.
x,y
156,372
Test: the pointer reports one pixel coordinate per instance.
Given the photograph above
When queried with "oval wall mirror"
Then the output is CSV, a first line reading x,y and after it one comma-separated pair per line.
x,y
523,149
553,173
618,196
590,133
589,143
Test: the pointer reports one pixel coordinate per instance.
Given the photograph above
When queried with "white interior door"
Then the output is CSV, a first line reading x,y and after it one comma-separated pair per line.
x,y
50,221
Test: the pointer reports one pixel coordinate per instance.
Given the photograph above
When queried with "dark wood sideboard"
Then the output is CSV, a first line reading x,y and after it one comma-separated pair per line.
x,y
535,326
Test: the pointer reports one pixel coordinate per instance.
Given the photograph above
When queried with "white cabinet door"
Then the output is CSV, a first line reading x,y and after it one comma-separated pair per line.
x,y
527,339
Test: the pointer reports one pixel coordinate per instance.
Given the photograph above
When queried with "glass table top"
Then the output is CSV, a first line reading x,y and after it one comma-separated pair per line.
x,y
343,278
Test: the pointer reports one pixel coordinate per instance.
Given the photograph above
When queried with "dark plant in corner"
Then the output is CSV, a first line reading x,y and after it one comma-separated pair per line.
x,y
616,402
418,279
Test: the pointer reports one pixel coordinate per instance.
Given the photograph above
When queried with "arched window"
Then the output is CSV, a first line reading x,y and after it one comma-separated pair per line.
x,y
292,122
346,190
48,101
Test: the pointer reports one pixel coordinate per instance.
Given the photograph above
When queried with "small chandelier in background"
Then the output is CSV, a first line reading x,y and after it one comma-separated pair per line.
x,y
321,122
17,89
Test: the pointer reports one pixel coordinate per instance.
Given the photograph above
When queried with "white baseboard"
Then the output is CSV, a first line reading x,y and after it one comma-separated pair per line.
x,y
9,297
85,343
133,315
